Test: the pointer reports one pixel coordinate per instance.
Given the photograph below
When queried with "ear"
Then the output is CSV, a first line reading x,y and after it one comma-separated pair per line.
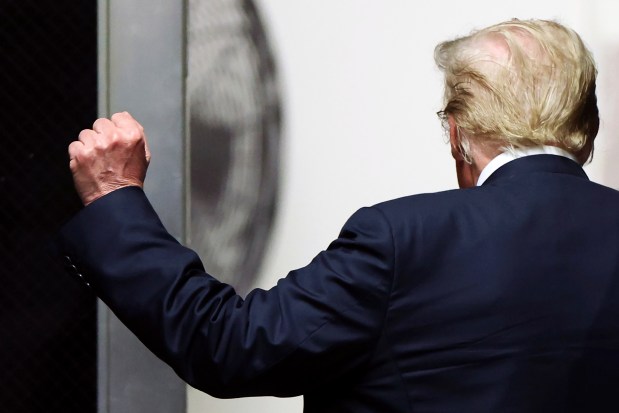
x,y
464,170
454,138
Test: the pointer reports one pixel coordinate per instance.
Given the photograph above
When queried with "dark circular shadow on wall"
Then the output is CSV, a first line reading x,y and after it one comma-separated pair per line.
x,y
234,121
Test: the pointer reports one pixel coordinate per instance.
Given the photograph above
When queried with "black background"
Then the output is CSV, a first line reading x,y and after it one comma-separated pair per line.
x,y
48,78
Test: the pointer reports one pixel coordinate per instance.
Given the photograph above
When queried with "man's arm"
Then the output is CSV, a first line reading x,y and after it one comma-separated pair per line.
x,y
318,324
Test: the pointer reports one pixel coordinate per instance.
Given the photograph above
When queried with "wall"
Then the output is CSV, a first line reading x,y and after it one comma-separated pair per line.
x,y
361,93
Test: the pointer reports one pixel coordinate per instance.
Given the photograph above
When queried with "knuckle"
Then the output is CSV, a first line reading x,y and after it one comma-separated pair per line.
x,y
100,145
81,155
85,154
113,136
132,135
85,134
73,150
99,122
119,115
136,134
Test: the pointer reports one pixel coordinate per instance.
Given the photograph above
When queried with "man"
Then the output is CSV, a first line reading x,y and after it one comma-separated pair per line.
x,y
502,296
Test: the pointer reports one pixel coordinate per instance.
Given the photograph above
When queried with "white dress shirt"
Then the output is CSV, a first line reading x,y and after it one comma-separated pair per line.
x,y
511,154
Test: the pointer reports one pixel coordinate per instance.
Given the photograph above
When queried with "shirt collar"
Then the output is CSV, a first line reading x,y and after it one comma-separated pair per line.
x,y
511,154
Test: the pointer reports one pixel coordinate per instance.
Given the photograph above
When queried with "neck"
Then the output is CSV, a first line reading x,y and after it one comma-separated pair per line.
x,y
468,173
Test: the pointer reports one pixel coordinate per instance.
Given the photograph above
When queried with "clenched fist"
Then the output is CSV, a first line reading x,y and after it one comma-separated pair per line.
x,y
111,155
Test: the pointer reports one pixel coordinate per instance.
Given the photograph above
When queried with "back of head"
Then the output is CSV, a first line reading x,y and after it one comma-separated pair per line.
x,y
520,84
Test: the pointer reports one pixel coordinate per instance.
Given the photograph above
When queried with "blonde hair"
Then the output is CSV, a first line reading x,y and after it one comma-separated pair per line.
x,y
520,84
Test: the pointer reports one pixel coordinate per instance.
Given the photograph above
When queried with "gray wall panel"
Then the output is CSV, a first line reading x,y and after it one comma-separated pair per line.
x,y
142,70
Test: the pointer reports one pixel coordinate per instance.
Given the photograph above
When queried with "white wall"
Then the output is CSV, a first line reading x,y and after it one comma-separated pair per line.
x,y
361,93
601,31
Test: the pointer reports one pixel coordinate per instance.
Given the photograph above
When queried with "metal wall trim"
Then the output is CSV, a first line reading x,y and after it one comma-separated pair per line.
x,y
142,70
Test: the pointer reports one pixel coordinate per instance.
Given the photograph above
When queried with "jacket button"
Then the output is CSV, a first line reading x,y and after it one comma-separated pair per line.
x,y
72,269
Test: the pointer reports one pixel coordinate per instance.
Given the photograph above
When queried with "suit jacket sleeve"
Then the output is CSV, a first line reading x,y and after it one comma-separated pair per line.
x,y
319,324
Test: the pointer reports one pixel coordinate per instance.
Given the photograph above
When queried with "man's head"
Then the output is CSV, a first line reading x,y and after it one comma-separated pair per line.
x,y
519,84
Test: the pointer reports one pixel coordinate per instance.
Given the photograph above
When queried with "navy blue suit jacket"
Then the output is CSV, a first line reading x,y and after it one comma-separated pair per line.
x,y
499,298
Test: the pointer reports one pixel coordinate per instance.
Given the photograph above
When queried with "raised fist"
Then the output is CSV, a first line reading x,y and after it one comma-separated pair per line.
x,y
112,155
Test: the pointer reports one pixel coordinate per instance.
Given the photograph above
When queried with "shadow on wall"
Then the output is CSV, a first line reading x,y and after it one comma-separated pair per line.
x,y
235,127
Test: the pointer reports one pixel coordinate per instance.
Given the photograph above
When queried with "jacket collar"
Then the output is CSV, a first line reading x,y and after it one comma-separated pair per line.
x,y
537,163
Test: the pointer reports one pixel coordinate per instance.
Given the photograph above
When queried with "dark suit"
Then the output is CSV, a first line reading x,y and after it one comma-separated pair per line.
x,y
499,298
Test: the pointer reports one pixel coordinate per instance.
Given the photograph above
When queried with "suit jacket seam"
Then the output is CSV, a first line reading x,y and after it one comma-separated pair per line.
x,y
385,319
